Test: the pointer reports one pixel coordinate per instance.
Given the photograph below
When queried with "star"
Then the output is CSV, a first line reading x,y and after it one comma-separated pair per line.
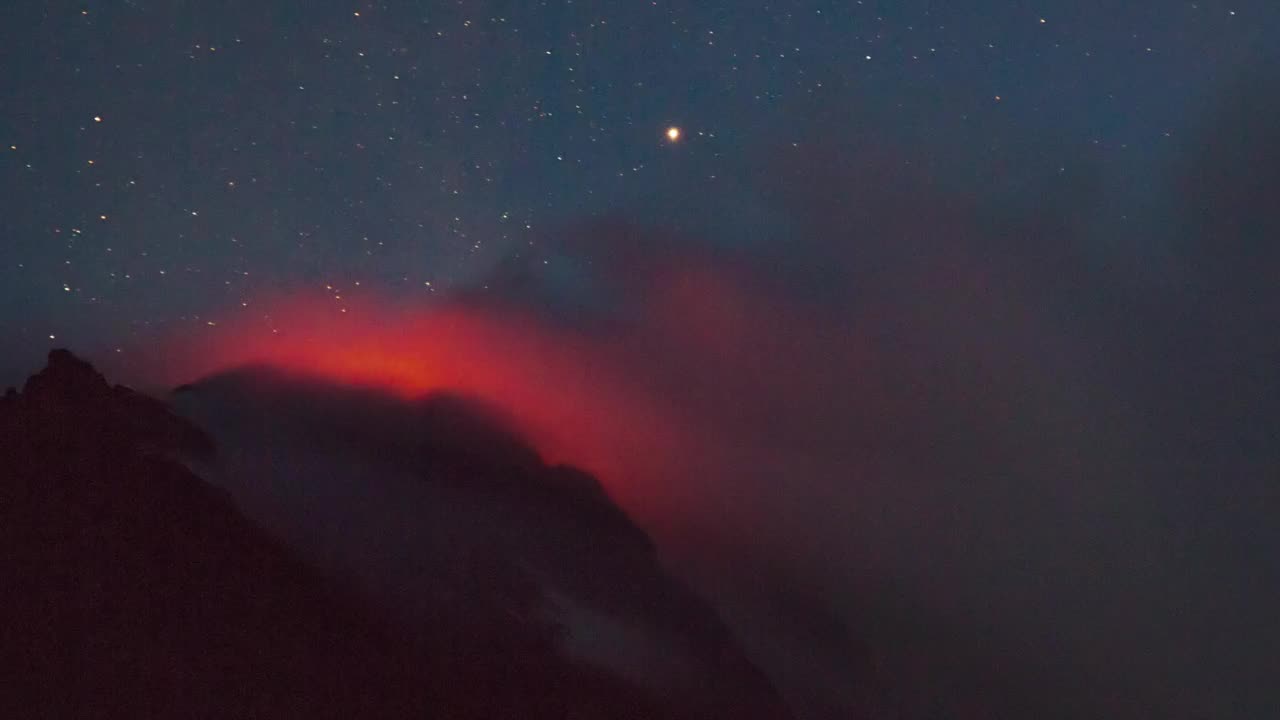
x,y
673,133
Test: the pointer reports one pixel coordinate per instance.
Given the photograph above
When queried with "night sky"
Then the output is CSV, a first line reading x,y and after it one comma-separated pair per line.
x,y
952,312
165,162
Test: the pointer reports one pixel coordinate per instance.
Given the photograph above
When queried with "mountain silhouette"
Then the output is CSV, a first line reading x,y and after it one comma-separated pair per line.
x,y
402,494
135,586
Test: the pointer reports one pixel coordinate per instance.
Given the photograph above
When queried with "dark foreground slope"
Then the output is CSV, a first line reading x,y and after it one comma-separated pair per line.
x,y
132,588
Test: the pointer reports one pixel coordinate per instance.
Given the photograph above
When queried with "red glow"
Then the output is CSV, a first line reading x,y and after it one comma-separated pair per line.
x,y
703,385
564,391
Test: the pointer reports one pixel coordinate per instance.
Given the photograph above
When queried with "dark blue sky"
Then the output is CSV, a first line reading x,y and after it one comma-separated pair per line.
x,y
165,162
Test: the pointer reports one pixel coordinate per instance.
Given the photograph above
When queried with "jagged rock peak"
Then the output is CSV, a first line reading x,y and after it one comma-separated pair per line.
x,y
70,389
68,376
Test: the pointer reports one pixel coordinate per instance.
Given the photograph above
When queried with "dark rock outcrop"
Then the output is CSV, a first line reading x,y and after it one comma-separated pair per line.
x,y
133,589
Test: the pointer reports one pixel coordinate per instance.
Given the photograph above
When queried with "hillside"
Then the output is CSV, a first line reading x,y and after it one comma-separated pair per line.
x,y
134,588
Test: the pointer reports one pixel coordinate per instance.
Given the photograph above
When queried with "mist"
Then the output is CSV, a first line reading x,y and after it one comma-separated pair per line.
x,y
990,438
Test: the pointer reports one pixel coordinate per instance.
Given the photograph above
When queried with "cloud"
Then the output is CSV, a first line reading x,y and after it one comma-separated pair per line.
x,y
977,432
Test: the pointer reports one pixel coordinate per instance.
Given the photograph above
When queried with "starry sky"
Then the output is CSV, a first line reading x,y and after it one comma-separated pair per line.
x,y
165,162
954,322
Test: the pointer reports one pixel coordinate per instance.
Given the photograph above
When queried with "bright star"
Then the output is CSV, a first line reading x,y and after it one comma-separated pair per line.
x,y
673,133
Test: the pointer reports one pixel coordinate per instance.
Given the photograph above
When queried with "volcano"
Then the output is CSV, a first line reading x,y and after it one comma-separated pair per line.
x,y
264,544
